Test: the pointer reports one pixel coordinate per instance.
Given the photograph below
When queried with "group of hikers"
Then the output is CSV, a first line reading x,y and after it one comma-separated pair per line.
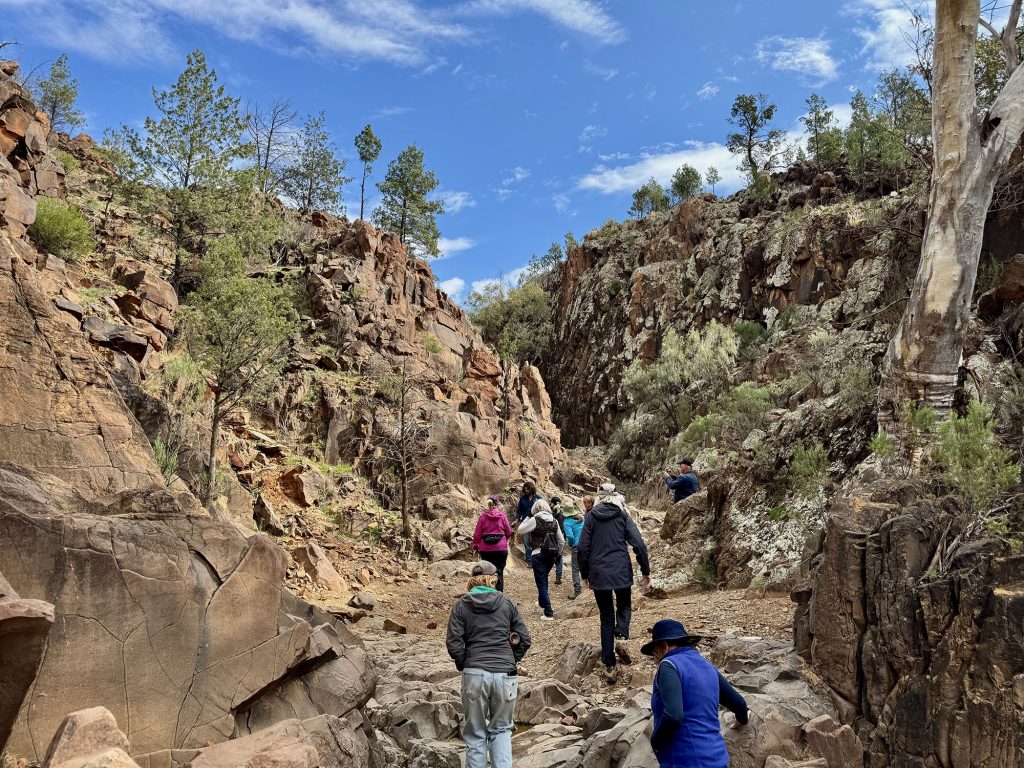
x,y
487,637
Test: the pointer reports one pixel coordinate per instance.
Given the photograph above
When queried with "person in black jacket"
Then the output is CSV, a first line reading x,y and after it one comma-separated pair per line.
x,y
487,639
608,533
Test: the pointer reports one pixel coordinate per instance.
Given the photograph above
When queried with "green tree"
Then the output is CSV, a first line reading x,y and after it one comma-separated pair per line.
x,y
904,109
570,242
712,177
824,140
404,207
314,177
126,177
58,95
705,357
516,320
190,152
368,146
685,183
235,329
758,144
649,198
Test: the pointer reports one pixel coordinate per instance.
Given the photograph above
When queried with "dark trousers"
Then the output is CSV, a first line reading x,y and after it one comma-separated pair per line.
x,y
542,564
616,609
499,559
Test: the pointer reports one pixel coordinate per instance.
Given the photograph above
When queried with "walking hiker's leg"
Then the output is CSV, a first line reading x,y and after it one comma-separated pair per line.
x,y
558,567
474,705
576,581
500,561
504,689
623,611
541,570
603,597
528,548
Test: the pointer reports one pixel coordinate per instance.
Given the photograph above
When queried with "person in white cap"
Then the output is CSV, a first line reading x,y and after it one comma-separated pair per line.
x,y
608,533
487,639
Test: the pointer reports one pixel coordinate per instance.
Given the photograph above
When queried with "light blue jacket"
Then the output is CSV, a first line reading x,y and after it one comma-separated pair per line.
x,y
573,529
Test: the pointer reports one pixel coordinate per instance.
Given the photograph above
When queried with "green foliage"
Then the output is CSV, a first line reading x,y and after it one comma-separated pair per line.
x,y
368,146
990,68
685,183
190,152
649,198
970,459
60,229
808,468
883,446
404,207
127,175
824,140
167,460
858,387
780,513
517,321
314,177
751,336
990,275
730,418
712,177
57,95
546,264
431,344
918,422
705,573
69,161
757,143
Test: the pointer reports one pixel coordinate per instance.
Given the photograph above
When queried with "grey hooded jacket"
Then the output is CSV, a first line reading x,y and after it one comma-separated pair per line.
x,y
478,631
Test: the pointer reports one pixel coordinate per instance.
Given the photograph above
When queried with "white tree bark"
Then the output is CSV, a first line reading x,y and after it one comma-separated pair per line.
x,y
923,358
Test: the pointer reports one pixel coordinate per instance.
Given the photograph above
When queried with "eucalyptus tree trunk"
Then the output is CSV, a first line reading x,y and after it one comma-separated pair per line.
x,y
970,151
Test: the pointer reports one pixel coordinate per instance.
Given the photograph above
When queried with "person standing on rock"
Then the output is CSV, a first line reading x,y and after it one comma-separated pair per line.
x,y
487,638
608,533
685,484
547,540
573,529
491,537
688,691
524,509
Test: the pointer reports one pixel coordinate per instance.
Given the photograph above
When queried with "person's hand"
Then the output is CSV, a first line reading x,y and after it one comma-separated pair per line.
x,y
585,583
647,582
735,724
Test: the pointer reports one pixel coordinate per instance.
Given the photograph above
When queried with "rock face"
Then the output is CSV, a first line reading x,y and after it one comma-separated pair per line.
x,y
926,663
24,625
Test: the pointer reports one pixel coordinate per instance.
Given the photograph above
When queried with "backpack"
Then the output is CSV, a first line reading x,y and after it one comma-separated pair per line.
x,y
546,533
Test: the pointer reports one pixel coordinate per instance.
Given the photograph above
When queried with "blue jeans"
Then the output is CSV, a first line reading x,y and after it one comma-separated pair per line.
x,y
489,703
527,549
542,564
558,565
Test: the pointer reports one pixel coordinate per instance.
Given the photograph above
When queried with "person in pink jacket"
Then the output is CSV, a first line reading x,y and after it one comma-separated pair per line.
x,y
491,537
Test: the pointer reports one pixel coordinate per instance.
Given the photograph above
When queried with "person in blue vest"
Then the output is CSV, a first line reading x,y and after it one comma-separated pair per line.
x,y
686,483
688,691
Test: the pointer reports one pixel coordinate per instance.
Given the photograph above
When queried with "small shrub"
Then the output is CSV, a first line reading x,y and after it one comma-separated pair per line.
x,y
705,573
166,459
615,289
432,345
857,386
970,459
69,161
780,513
751,336
990,276
60,229
882,446
810,463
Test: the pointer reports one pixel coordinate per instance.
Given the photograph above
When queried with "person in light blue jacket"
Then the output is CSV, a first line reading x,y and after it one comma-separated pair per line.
x,y
573,529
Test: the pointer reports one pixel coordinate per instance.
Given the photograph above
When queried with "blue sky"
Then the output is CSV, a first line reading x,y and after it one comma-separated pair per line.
x,y
538,116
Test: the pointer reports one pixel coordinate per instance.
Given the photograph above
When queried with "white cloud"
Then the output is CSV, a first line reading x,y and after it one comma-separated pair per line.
x,y
450,246
456,201
457,69
707,91
586,17
508,279
517,174
605,73
386,112
589,134
453,286
432,68
806,56
503,193
883,26
613,157
626,178
562,202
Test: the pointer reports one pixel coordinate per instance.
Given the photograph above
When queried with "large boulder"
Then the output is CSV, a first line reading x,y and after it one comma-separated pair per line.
x,y
89,736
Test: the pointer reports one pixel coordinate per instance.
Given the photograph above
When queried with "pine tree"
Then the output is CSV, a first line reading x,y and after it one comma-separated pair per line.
x,y
314,177
685,182
712,177
368,146
57,96
649,198
404,207
824,140
758,144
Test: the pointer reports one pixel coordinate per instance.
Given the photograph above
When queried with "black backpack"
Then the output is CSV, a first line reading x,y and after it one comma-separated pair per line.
x,y
546,533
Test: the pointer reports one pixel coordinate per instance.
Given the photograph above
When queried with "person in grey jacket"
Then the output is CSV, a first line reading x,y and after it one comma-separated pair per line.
x,y
487,639
608,533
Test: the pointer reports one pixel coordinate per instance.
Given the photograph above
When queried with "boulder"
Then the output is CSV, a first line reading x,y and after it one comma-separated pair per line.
x,y
280,746
84,735
151,298
838,744
435,754
304,485
315,562
119,337
266,518
544,701
24,626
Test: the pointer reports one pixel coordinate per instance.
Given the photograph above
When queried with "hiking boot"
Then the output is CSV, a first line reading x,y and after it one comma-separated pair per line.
x,y
611,675
622,653
547,618
574,595
558,580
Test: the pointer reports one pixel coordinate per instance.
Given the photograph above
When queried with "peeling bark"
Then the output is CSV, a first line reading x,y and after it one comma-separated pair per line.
x,y
924,355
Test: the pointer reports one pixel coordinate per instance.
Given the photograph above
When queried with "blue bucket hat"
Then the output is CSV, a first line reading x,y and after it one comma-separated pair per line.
x,y
666,629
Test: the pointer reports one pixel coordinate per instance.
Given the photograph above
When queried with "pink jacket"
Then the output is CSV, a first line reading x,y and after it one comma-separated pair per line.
x,y
493,521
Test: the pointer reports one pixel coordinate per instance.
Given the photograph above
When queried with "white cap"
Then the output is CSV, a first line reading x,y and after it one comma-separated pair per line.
x,y
608,488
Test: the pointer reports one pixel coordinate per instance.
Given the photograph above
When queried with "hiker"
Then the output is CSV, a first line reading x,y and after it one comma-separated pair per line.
x,y
573,529
491,537
685,483
556,510
523,510
608,532
688,691
487,639
588,504
548,540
